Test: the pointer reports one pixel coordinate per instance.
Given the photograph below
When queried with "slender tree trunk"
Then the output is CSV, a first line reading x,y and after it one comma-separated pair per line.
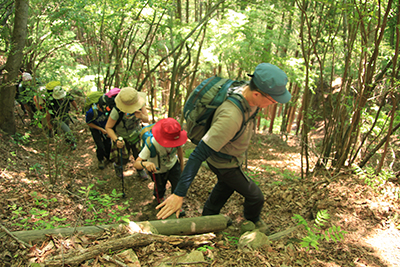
x,y
368,85
15,56
178,13
392,117
272,118
187,10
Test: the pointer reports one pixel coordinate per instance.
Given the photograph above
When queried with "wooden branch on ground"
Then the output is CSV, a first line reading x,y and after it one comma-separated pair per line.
x,y
25,245
282,234
75,257
184,226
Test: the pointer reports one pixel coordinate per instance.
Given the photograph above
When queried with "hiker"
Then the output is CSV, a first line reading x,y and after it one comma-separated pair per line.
x,y
125,121
224,157
59,118
25,94
167,164
39,98
17,94
96,119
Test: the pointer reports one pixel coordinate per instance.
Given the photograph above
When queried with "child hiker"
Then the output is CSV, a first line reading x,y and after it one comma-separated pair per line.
x,y
168,138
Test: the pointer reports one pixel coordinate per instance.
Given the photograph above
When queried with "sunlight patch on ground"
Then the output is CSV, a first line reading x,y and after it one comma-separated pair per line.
x,y
86,160
86,155
17,177
263,163
387,244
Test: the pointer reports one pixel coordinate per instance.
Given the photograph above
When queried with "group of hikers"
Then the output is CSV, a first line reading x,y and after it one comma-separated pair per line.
x,y
51,103
116,131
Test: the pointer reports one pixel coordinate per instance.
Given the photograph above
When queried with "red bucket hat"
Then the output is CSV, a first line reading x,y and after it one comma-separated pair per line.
x,y
169,133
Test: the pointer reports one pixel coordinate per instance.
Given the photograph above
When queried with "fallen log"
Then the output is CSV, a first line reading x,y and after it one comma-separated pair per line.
x,y
282,234
184,226
75,257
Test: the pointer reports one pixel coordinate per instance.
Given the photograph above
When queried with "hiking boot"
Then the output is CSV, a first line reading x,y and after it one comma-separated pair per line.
x,y
262,227
260,224
247,226
118,170
143,174
101,165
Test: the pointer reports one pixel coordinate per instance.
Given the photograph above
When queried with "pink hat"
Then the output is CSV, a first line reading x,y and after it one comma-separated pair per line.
x,y
169,133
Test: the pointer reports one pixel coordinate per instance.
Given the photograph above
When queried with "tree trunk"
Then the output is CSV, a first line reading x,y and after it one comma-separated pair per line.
x,y
15,56
272,118
178,10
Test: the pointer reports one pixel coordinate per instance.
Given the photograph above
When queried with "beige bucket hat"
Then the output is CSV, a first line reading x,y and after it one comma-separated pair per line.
x,y
129,100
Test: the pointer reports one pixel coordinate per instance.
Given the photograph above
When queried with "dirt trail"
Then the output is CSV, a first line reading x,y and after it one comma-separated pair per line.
x,y
369,218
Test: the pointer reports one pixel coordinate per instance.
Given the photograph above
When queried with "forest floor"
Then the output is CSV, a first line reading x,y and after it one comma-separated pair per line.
x,y
28,201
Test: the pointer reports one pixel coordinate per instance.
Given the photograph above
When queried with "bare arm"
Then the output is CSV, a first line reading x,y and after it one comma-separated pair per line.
x,y
142,114
139,164
94,126
111,133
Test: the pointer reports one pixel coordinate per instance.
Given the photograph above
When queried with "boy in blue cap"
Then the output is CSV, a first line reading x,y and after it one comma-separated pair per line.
x,y
267,87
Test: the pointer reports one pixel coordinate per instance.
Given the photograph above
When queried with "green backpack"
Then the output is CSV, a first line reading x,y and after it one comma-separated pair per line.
x,y
200,107
91,99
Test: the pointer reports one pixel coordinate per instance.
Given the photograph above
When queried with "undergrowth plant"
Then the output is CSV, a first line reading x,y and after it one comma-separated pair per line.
x,y
21,139
39,216
284,173
233,240
316,233
103,208
254,175
378,182
204,248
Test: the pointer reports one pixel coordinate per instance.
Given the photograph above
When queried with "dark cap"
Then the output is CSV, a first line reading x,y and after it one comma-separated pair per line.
x,y
271,80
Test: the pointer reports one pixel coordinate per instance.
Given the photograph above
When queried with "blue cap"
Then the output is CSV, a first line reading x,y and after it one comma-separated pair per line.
x,y
272,80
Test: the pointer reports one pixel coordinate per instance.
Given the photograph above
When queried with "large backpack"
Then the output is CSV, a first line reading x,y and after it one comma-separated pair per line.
x,y
146,135
107,101
205,99
91,98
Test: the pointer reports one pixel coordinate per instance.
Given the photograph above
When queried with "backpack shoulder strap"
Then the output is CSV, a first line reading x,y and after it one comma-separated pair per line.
x,y
238,99
120,117
148,142
95,113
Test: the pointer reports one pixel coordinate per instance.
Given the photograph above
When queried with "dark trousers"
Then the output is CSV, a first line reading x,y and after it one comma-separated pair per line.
x,y
133,149
172,176
103,144
229,181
